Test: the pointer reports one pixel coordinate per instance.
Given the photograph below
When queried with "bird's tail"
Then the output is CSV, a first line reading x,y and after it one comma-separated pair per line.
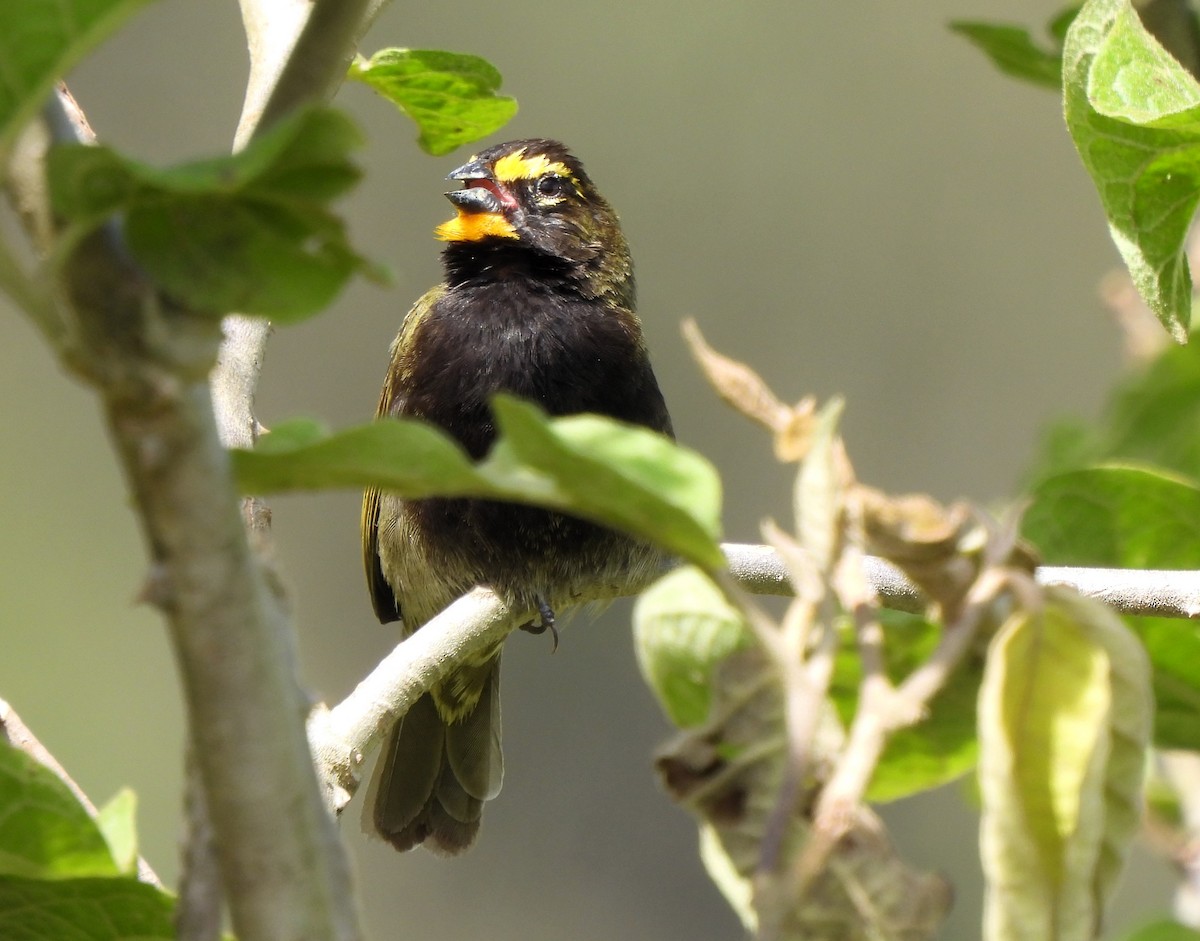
x,y
434,777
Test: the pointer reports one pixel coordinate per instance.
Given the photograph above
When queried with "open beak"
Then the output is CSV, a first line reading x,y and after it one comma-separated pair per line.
x,y
483,207
480,192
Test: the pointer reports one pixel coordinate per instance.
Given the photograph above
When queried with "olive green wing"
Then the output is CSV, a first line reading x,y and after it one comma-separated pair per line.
x,y
391,403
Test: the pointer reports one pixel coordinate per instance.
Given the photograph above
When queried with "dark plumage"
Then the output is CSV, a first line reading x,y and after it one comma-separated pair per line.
x,y
538,300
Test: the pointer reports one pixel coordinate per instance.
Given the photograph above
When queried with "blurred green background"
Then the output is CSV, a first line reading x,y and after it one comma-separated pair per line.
x,y
844,195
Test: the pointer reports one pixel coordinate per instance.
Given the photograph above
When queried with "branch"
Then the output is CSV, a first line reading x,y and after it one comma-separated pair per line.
x,y
1148,592
283,866
299,53
341,736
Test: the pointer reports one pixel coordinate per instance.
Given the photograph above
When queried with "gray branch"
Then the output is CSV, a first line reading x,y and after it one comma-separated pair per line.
x,y
284,871
343,735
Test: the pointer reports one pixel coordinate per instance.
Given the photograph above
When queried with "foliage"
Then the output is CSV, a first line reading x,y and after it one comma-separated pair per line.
x,y
65,876
593,467
1015,52
250,232
450,96
1046,694
1064,723
39,43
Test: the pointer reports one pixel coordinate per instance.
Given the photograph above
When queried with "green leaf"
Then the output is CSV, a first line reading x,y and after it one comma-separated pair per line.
x,y
45,832
405,456
84,910
116,820
940,748
1121,516
620,475
451,97
40,43
1129,517
682,628
1152,418
1164,931
1174,650
250,232
1064,716
1116,515
1013,50
1134,114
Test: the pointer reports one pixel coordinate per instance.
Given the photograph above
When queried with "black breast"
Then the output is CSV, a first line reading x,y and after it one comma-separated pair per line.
x,y
565,353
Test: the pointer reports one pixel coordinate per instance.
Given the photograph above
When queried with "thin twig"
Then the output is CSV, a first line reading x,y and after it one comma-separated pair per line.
x,y
1150,592
340,737
882,710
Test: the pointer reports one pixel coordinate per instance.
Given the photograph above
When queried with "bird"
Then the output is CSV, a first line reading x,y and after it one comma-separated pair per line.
x,y
538,300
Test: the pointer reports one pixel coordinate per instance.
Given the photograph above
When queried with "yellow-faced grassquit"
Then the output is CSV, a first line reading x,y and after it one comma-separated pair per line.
x,y
537,301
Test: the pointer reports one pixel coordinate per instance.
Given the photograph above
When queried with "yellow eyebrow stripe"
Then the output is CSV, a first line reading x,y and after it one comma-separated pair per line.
x,y
517,166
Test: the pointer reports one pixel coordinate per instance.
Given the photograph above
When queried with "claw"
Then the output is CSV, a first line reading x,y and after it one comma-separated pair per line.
x,y
546,615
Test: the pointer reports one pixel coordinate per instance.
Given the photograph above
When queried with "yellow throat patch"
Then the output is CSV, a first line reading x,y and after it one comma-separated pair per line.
x,y
475,227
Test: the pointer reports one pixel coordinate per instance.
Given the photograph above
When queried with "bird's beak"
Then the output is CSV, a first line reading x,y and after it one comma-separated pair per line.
x,y
472,170
480,192
477,198
482,204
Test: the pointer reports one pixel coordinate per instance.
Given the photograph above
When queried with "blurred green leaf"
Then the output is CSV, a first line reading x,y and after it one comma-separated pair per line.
x,y
940,748
451,97
251,232
682,628
40,43
1134,114
1013,50
84,910
406,456
1174,650
45,832
1152,418
620,475
1129,517
1064,717
1119,516
1163,931
117,821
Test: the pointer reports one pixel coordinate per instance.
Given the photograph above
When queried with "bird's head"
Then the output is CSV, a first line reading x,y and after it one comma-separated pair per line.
x,y
536,195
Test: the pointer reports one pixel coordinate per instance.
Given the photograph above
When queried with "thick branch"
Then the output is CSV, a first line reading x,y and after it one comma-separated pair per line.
x,y
281,861
284,870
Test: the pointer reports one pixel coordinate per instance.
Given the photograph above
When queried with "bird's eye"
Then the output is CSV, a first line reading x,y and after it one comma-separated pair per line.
x,y
552,186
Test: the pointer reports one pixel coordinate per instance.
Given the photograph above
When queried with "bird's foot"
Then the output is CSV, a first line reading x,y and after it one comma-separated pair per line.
x,y
546,616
